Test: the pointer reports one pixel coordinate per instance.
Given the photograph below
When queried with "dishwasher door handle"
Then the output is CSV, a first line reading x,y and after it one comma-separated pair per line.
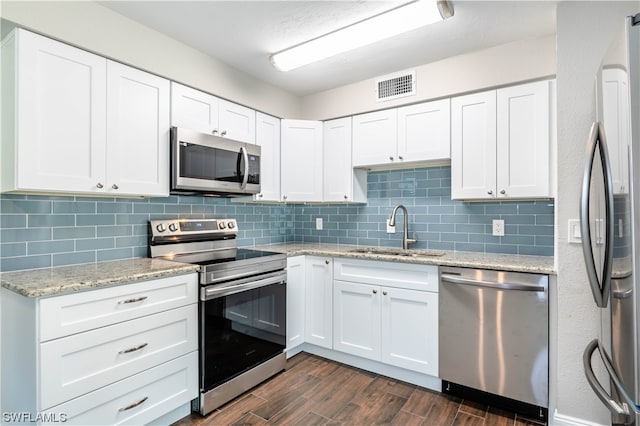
x,y
453,279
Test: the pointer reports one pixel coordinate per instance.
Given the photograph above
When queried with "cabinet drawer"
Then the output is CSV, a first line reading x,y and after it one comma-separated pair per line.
x,y
74,313
161,389
390,274
81,363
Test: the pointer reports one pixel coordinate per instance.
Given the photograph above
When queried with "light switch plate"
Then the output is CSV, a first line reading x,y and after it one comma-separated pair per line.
x,y
575,236
318,223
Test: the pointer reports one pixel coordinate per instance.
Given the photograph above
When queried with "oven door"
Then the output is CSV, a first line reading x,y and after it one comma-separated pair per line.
x,y
242,324
204,163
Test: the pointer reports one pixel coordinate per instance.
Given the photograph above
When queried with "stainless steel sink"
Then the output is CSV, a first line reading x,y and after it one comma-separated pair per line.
x,y
397,252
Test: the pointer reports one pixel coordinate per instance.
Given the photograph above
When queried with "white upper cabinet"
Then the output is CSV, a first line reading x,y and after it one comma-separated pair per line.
x,y
268,138
412,134
206,113
301,151
137,131
424,131
342,183
615,110
375,138
501,143
473,146
60,100
82,124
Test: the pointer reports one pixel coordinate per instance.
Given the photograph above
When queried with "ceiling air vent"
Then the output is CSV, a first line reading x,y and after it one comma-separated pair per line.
x,y
396,86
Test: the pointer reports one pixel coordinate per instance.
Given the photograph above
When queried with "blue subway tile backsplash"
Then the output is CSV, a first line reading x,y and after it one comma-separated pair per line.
x,y
39,231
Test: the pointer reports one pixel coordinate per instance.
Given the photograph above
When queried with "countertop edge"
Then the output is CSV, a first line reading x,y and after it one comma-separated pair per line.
x,y
75,285
511,263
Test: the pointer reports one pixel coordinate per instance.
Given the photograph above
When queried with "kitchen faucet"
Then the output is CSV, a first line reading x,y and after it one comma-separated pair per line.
x,y
405,229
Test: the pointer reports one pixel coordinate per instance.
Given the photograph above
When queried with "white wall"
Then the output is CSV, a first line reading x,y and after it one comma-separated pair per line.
x,y
502,65
93,27
584,31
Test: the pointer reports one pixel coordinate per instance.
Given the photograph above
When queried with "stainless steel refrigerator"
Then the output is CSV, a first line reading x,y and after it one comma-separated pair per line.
x,y
610,227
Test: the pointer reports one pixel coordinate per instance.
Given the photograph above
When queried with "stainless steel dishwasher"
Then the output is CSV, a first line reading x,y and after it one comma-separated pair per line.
x,y
493,336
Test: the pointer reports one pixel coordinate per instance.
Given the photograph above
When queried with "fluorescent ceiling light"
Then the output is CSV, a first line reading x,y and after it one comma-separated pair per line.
x,y
388,24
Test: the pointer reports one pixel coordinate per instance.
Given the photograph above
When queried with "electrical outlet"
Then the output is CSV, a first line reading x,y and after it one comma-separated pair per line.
x,y
390,229
319,223
498,227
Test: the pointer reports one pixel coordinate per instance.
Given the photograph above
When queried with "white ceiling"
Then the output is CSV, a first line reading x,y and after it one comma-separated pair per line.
x,y
244,33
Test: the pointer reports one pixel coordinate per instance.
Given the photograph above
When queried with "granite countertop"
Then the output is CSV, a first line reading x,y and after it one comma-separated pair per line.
x,y
69,279
503,262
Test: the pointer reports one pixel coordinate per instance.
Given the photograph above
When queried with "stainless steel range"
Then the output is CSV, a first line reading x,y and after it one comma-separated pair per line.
x,y
242,305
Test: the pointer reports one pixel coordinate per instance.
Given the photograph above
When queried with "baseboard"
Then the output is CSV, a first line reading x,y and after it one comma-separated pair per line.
x,y
564,420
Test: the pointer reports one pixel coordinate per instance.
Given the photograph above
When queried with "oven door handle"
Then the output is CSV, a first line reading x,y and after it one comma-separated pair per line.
x,y
213,292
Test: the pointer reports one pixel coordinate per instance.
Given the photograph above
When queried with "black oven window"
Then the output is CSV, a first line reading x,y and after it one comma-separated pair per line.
x,y
241,331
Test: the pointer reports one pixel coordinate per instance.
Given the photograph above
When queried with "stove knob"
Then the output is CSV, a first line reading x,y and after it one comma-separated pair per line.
x,y
161,227
173,227
231,225
222,225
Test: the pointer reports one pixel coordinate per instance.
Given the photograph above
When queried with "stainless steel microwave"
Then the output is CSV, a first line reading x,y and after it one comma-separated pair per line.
x,y
212,165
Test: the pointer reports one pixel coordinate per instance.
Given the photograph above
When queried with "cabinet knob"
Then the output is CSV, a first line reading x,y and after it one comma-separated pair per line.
x,y
224,133
114,186
260,195
215,131
490,192
502,191
400,158
384,293
99,185
346,197
391,158
375,291
284,197
326,262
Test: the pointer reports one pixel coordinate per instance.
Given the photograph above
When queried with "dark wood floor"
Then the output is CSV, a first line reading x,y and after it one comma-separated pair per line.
x,y
316,391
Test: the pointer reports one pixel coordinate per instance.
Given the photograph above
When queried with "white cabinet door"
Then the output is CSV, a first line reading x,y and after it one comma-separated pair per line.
x,y
342,183
356,310
473,146
137,132
301,151
194,109
523,141
237,122
615,111
337,171
424,131
409,329
375,138
318,327
295,301
268,138
61,116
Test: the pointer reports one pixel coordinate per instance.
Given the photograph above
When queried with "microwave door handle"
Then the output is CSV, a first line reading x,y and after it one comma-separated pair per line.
x,y
597,289
245,156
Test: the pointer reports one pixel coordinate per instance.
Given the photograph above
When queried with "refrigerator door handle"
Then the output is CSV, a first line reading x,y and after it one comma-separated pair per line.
x,y
599,287
620,410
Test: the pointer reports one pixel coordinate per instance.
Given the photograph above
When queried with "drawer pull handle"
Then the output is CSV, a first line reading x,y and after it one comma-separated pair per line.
x,y
137,348
134,405
137,299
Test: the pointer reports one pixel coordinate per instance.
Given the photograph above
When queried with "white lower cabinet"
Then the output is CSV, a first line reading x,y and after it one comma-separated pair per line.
x,y
121,354
387,312
134,400
318,317
295,301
